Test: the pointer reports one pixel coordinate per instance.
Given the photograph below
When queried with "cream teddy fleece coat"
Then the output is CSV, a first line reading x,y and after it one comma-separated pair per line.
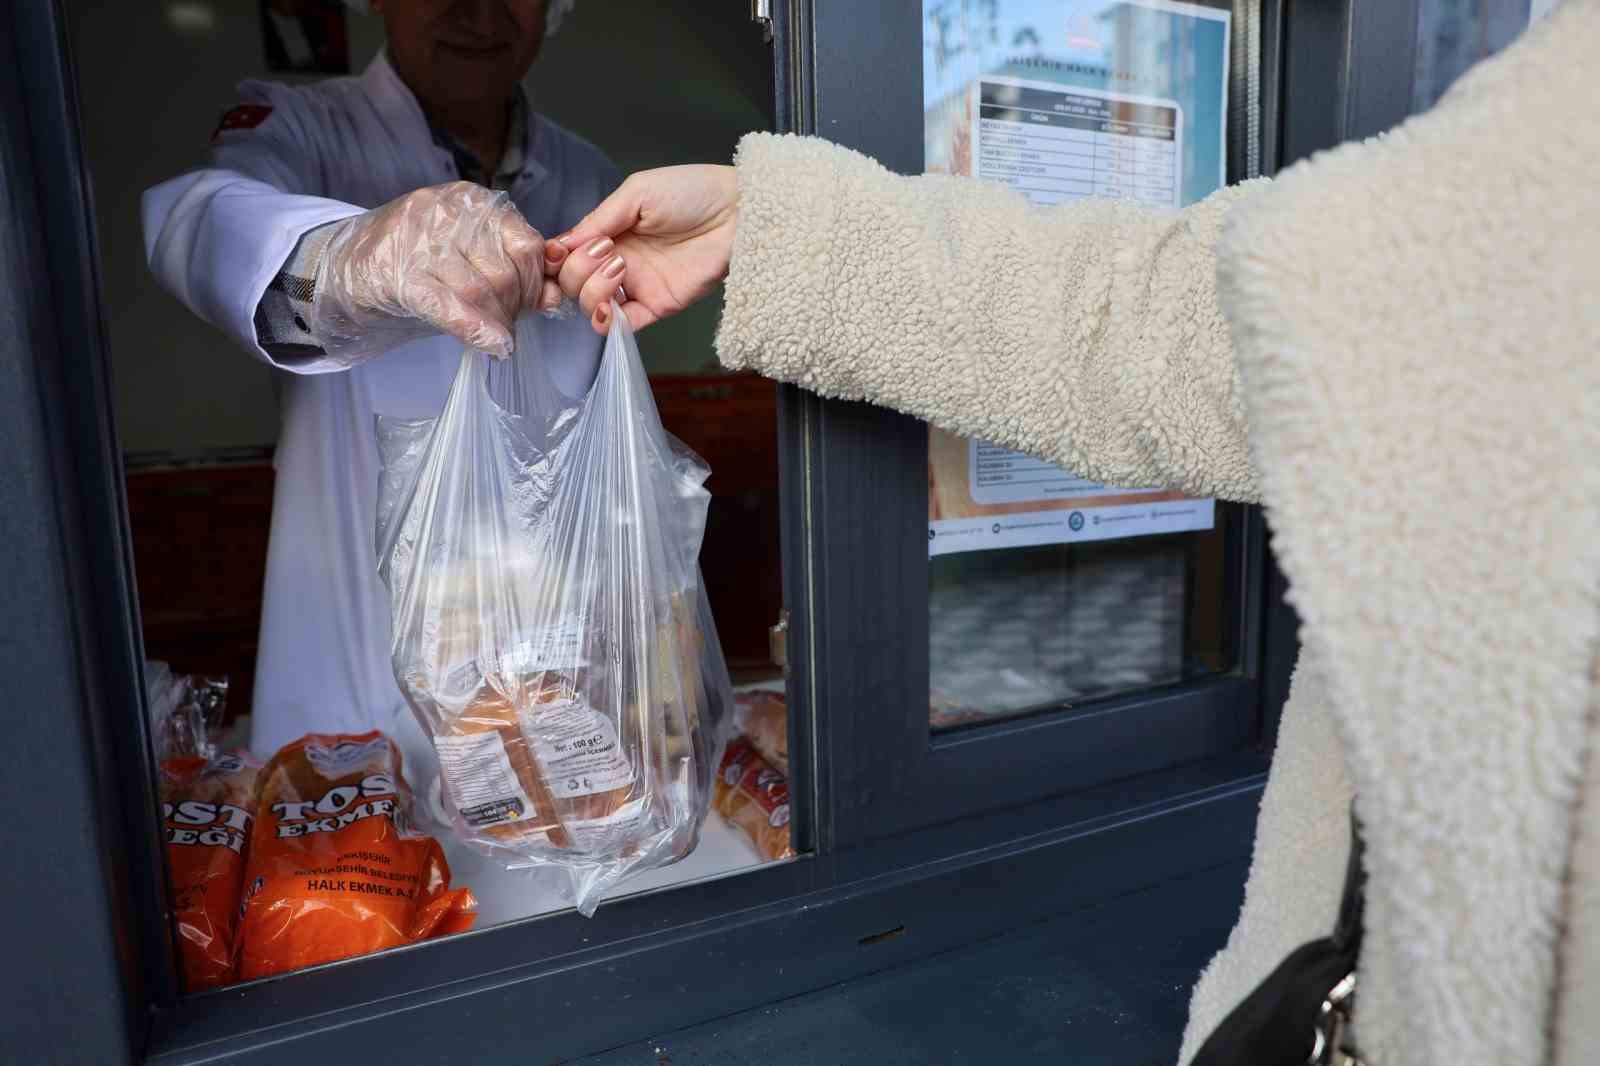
x,y
1396,347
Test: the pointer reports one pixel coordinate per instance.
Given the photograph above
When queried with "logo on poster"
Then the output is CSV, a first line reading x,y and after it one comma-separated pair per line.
x,y
1075,521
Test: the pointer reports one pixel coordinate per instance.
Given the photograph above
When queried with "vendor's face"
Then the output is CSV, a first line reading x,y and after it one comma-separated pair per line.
x,y
463,51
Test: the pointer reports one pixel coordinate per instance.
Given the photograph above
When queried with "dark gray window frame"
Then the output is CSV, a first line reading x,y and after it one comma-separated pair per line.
x,y
83,905
865,629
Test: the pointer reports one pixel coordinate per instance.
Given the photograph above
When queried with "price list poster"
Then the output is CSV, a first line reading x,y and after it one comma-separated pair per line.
x,y
1063,100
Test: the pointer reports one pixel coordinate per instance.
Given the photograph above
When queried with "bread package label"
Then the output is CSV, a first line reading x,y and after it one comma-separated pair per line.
x,y
578,748
207,809
739,755
554,767
769,789
486,789
336,867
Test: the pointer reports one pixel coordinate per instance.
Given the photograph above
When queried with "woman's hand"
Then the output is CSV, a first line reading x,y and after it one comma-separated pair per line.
x,y
667,233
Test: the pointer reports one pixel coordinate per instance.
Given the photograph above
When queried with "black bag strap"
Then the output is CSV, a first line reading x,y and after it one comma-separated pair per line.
x,y
1279,1023
1353,904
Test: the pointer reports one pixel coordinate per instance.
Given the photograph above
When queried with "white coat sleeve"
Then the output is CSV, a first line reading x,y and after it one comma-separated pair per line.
x,y
215,237
1088,334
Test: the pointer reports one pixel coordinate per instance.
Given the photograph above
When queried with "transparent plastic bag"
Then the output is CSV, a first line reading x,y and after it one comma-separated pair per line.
x,y
550,627
186,711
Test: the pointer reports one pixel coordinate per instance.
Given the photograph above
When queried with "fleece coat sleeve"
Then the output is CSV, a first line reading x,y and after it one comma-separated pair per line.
x,y
1087,333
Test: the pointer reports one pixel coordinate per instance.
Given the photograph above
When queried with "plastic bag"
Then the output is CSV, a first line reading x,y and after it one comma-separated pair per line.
x,y
550,628
186,710
336,867
762,717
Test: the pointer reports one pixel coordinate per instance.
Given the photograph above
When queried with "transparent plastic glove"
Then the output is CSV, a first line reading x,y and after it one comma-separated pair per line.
x,y
456,259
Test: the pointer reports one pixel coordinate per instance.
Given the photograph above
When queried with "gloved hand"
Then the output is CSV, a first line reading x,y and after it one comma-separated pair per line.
x,y
456,259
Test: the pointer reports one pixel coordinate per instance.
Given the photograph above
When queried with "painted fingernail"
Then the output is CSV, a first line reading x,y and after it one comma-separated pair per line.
x,y
602,313
555,252
613,268
599,247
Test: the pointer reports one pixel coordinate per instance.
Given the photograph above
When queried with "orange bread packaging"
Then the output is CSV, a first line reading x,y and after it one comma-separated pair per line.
x,y
336,867
753,795
206,807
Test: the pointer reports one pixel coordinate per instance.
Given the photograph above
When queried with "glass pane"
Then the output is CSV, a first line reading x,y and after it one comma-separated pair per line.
x,y
1031,629
212,437
1452,35
1046,589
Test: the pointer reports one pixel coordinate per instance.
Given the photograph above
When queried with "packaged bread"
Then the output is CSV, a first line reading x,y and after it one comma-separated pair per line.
x,y
555,770
753,795
207,807
336,867
766,724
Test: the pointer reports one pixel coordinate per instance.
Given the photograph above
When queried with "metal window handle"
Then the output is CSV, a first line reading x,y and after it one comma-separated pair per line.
x,y
778,642
761,11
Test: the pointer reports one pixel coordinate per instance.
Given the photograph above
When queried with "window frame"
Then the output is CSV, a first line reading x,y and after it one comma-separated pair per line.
x,y
103,952
865,629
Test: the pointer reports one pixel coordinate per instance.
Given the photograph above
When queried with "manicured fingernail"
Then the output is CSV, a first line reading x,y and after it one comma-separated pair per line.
x,y
602,313
565,240
613,268
554,252
599,247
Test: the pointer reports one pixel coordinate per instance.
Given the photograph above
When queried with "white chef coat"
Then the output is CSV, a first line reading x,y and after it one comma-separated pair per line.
x,y
216,237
